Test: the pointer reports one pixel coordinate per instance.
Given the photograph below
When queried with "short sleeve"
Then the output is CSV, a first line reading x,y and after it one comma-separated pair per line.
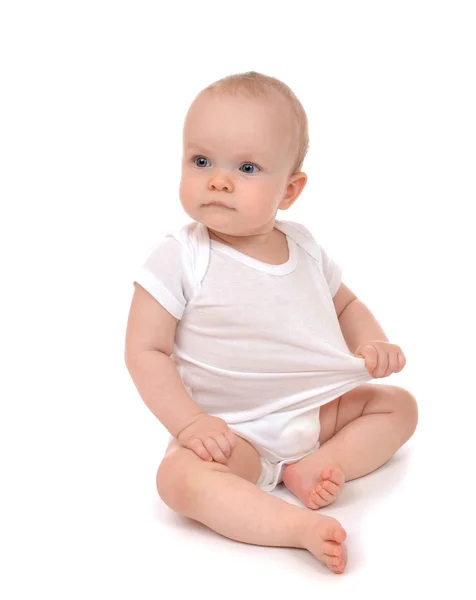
x,y
331,271
161,275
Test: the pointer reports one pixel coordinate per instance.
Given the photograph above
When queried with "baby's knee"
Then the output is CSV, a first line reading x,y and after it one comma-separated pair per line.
x,y
410,409
178,475
407,408
171,480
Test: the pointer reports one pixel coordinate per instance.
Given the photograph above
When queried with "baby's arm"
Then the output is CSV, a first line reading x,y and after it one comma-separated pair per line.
x,y
357,323
149,344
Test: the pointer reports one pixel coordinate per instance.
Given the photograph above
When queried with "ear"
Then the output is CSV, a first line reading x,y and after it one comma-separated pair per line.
x,y
294,187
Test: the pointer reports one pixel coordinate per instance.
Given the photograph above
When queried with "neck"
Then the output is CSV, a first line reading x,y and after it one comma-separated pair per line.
x,y
260,239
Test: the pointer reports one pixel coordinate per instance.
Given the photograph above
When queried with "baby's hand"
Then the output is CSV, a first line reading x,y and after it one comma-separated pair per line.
x,y
381,358
210,438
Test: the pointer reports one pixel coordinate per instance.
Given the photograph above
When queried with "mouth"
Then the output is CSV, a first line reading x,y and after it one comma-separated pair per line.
x,y
218,205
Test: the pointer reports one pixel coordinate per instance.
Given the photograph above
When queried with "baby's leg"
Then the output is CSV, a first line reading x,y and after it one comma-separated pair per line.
x,y
235,507
359,433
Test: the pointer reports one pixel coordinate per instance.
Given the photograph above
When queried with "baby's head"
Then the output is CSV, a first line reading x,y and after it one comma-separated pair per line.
x,y
244,142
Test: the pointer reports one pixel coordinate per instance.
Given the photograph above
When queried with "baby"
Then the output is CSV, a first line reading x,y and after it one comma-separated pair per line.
x,y
245,343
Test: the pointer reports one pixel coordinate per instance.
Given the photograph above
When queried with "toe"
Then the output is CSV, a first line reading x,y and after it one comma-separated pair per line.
x,y
337,565
339,568
332,561
338,477
332,549
330,487
333,531
320,493
340,534
333,474
315,501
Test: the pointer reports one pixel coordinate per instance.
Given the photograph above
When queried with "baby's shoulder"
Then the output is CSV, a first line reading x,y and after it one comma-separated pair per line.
x,y
301,235
293,228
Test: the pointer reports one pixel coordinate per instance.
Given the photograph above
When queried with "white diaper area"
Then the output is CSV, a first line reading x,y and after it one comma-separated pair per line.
x,y
281,438
272,472
291,433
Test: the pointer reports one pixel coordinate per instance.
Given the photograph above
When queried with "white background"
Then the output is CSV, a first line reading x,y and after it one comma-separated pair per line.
x,y
93,96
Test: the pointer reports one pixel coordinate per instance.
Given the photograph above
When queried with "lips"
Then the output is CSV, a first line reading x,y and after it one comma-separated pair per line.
x,y
221,204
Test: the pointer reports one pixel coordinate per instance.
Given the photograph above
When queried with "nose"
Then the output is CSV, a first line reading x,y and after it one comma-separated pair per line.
x,y
220,183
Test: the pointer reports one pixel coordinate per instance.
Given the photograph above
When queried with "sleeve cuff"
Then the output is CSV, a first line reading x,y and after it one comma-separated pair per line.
x,y
336,281
160,293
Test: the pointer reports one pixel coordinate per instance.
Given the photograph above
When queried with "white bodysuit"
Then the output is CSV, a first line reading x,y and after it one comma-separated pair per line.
x,y
257,345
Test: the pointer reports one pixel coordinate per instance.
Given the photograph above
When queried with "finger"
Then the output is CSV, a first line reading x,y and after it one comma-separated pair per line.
x,y
371,358
231,437
382,363
392,364
401,360
214,450
223,443
197,446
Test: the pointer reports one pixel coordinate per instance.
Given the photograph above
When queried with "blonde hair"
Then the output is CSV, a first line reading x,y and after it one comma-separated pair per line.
x,y
254,84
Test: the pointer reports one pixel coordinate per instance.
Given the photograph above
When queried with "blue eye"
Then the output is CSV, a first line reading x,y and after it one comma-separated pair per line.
x,y
200,158
252,166
199,162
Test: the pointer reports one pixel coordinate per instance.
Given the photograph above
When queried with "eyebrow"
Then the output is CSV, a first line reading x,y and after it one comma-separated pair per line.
x,y
243,155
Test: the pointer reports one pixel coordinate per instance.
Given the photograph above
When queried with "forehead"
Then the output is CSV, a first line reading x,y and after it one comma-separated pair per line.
x,y
251,123
245,151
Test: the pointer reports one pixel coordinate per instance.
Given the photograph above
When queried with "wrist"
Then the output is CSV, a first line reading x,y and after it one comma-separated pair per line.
x,y
190,421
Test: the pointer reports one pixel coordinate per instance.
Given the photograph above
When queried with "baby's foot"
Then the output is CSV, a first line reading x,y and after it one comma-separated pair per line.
x,y
311,493
324,538
327,488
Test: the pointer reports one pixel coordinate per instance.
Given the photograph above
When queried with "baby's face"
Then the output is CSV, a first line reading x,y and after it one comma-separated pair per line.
x,y
239,152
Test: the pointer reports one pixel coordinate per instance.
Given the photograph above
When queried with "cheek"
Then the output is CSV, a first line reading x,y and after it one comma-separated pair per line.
x,y
186,189
262,195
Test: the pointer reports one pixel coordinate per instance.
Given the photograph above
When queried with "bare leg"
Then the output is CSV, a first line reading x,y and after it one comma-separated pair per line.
x,y
238,509
371,424
361,446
